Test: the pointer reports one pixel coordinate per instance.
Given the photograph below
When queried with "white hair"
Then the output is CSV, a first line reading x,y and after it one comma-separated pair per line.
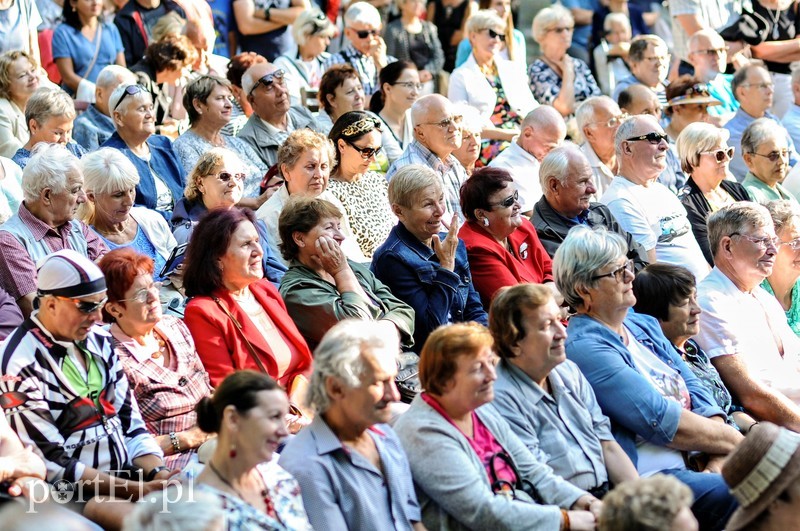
x,y
586,111
557,163
362,12
114,75
548,17
309,21
107,170
486,19
472,121
616,18
50,166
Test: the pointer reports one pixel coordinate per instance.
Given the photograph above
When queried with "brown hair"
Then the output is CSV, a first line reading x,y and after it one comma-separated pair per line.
x,y
301,214
505,314
332,79
437,361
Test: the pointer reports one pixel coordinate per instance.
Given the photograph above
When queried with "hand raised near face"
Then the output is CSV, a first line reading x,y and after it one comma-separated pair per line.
x,y
329,255
446,250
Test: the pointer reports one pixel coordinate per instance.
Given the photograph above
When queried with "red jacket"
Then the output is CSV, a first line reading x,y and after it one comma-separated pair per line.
x,y
494,267
221,346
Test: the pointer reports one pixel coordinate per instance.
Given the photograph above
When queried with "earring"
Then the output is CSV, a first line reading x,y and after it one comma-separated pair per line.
x,y
485,222
232,452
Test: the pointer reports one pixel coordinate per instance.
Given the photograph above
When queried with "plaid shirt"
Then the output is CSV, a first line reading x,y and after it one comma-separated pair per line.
x,y
450,170
364,65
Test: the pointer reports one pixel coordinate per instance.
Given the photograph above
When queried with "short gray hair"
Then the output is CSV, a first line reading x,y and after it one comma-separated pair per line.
x,y
624,131
340,355
113,75
547,18
362,12
618,18
758,132
485,19
119,93
584,252
105,171
199,510
311,21
50,166
585,113
46,103
556,164
409,181
736,217
783,213
695,139
740,76
472,121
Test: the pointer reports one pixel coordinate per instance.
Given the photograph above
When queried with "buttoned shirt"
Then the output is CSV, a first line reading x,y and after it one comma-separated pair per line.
x,y
736,127
602,173
364,64
451,171
563,428
524,169
342,489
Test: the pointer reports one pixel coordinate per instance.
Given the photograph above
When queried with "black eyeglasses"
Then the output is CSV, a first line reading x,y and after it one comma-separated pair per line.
x,y
775,156
226,176
654,138
508,201
130,90
84,306
366,152
494,35
269,80
363,34
618,273
720,155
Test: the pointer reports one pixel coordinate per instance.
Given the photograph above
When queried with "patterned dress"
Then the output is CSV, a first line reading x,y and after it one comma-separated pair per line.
x,y
503,117
546,83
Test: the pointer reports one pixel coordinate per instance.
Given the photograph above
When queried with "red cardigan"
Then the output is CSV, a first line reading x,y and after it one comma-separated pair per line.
x,y
493,266
221,347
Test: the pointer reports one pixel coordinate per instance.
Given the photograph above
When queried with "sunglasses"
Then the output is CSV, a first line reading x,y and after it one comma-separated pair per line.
x,y
654,138
619,273
269,80
130,90
775,156
84,306
143,294
494,35
226,176
720,155
366,152
508,201
363,34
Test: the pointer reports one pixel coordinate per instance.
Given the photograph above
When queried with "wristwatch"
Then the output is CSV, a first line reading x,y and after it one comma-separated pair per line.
x,y
152,474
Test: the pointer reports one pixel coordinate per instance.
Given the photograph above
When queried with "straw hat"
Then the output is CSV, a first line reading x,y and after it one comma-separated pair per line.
x,y
760,469
697,93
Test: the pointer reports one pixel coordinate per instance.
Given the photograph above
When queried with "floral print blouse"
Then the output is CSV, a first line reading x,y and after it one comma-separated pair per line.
x,y
546,83
503,117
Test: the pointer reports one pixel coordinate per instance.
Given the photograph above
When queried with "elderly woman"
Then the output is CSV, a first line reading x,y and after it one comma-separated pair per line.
x,y
688,101
399,88
161,175
657,502
784,281
357,141
304,66
304,162
502,246
425,268
766,153
109,180
497,87
208,103
340,91
157,355
323,287
512,49
216,183
471,126
471,471
248,411
669,293
49,115
19,79
556,78
410,38
241,107
656,404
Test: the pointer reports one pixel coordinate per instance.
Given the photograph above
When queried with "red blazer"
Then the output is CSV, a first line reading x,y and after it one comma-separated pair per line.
x,y
221,347
494,267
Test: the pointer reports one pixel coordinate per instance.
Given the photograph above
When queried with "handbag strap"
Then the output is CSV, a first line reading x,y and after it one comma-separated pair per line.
x,y
241,333
137,19
99,37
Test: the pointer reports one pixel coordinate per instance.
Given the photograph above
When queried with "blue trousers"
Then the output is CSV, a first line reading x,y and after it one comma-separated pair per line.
x,y
713,503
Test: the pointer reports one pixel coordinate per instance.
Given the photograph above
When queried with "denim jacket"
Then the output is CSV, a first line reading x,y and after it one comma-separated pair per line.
x,y
412,271
634,406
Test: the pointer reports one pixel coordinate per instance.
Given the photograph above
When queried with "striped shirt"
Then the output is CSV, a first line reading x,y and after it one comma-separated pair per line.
x,y
365,66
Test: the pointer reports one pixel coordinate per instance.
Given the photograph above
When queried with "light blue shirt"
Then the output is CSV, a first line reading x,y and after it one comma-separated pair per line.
x,y
70,43
720,89
736,127
791,121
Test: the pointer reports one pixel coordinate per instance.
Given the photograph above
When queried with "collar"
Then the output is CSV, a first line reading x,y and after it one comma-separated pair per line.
x,y
140,353
67,346
413,242
520,152
533,394
39,228
427,154
327,442
272,130
350,50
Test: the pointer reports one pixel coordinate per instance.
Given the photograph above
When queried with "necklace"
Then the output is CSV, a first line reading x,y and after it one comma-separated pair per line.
x,y
264,492
775,17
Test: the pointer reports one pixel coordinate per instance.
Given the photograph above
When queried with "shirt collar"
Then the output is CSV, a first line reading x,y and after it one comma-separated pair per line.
x,y
140,353
413,242
39,228
427,154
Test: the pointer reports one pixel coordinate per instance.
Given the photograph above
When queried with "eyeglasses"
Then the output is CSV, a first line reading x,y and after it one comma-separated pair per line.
x,y
712,51
508,201
494,35
130,90
445,124
618,273
363,34
720,155
653,137
270,80
563,29
775,156
761,86
226,176
366,152
794,245
84,306
762,243
143,294
410,85
660,59
614,121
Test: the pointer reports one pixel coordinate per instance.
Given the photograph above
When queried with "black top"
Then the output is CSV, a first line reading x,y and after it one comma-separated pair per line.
x,y
448,20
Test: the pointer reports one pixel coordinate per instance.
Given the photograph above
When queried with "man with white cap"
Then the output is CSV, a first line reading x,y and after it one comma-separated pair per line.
x,y
64,392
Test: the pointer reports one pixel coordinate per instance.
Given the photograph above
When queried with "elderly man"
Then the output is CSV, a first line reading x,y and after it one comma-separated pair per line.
x,y
598,118
708,54
274,117
437,133
753,88
352,471
545,398
366,50
52,184
543,130
645,208
743,328
766,155
566,178
649,62
95,125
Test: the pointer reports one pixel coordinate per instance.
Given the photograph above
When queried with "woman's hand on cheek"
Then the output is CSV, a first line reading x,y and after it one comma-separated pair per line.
x,y
330,255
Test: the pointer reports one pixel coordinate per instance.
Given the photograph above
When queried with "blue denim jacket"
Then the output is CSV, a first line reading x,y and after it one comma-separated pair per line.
x,y
412,271
626,397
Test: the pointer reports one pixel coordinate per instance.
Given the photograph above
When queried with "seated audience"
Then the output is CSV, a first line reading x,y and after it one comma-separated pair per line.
x,y
323,287
511,48
157,354
688,101
502,246
423,266
657,502
611,52
410,38
10,314
241,110
161,175
471,126
784,281
352,471
94,125
708,55
19,79
598,119
743,329
705,156
657,406
53,188
470,470
400,88
340,91
766,155
648,60
544,397
566,178
247,410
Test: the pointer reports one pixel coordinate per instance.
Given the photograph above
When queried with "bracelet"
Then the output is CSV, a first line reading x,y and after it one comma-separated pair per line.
x,y
176,444
565,517
266,14
152,474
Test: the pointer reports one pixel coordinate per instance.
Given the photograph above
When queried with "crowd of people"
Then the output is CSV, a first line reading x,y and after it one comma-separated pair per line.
x,y
400,265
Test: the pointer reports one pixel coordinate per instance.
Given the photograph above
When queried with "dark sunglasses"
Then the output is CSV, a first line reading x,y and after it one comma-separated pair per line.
x,y
130,90
366,152
269,79
363,34
320,23
494,35
654,138
720,155
508,201
226,176
84,306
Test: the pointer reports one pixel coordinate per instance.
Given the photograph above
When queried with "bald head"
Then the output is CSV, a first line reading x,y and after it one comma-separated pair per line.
x,y
641,159
254,73
108,79
707,54
638,99
543,130
427,105
435,125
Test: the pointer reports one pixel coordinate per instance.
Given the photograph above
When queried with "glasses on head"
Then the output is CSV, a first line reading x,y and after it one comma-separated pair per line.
x,y
775,156
696,90
270,80
653,137
761,86
618,273
226,176
130,90
660,59
143,294
508,201
84,306
495,35
614,121
762,243
363,34
366,152
319,23
713,51
410,85
720,155
562,29
445,124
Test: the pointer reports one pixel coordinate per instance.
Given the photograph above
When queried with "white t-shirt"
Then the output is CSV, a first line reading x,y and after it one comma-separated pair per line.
x,y
524,169
656,219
